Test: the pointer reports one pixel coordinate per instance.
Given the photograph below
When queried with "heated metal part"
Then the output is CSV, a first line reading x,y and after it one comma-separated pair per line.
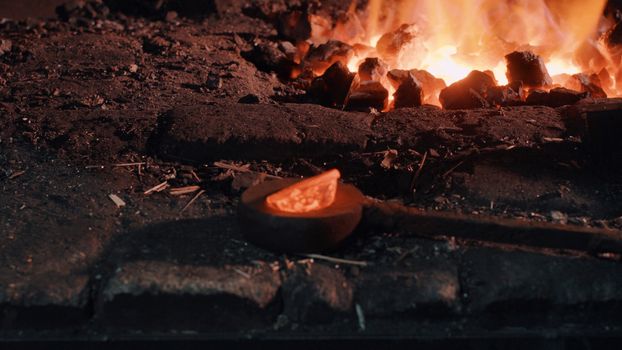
x,y
313,231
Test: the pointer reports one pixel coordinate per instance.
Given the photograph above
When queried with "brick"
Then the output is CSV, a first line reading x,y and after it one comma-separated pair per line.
x,y
241,131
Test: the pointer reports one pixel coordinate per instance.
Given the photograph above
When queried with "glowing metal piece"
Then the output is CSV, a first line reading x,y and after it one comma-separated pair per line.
x,y
314,193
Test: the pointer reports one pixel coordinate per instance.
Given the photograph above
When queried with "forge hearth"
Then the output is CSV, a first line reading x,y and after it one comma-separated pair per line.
x,y
488,157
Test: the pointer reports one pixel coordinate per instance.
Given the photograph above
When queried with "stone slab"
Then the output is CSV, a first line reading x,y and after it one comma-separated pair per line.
x,y
499,281
160,295
427,127
279,131
316,294
409,292
262,131
45,260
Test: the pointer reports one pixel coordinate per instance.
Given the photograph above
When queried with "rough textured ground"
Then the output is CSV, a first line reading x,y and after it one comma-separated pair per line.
x,y
79,100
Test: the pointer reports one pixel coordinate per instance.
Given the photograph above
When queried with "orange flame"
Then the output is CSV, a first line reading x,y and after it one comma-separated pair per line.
x,y
457,36
453,37
314,193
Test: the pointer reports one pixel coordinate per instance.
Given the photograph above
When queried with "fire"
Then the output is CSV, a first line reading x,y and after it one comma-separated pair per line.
x,y
558,66
457,36
314,193
451,38
441,63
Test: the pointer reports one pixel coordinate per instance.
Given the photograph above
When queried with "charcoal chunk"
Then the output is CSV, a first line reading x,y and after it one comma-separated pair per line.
x,y
332,88
430,84
555,98
397,76
270,57
294,25
529,68
319,58
368,94
156,45
538,97
372,69
562,97
470,92
586,83
249,99
290,51
518,87
348,28
214,82
409,93
504,96
390,44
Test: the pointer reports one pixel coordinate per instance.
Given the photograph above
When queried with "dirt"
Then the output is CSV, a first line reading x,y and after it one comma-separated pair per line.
x,y
118,102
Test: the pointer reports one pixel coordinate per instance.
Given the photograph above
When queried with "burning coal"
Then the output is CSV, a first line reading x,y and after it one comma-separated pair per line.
x,y
456,53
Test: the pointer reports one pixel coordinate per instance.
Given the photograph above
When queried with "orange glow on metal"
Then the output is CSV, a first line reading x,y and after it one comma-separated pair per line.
x,y
315,193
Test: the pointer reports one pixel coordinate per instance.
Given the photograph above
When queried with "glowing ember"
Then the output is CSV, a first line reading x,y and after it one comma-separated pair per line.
x,y
451,38
314,193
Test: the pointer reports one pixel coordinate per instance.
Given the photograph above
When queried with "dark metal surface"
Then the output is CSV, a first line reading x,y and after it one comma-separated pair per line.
x,y
492,229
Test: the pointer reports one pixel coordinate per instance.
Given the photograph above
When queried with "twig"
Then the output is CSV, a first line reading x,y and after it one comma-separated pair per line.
x,y
360,316
157,188
192,201
244,169
242,273
117,200
223,165
372,153
183,190
195,176
336,260
405,254
272,177
17,174
475,152
118,165
552,139
127,164
413,183
451,170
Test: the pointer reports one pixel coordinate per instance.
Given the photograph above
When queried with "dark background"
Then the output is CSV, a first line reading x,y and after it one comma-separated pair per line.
x,y
20,9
